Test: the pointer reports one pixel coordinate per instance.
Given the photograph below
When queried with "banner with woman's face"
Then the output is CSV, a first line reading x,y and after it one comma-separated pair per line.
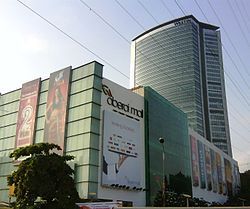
x,y
56,109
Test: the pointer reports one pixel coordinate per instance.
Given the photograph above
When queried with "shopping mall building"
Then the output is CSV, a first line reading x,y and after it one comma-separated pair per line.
x,y
114,134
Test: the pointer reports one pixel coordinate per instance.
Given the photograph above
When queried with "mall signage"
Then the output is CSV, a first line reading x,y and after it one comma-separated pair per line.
x,y
112,101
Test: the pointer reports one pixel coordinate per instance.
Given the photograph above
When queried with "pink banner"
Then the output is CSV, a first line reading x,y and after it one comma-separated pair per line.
x,y
27,113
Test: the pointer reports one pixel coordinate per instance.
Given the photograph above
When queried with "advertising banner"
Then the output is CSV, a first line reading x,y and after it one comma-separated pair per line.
x,y
202,165
121,141
208,168
56,109
98,205
27,113
194,156
236,179
219,172
214,170
228,176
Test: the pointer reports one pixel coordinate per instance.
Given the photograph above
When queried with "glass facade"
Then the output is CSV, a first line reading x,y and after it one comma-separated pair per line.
x,y
165,120
82,127
172,59
215,91
150,117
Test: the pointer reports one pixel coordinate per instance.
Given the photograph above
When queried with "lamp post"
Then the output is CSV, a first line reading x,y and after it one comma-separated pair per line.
x,y
161,140
187,196
243,201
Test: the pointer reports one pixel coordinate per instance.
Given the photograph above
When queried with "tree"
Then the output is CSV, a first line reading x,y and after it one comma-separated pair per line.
x,y
43,179
245,187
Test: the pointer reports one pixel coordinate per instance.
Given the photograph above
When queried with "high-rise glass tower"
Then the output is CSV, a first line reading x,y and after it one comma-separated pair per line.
x,y
182,60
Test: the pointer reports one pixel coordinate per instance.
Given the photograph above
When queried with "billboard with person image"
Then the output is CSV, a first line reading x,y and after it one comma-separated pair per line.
x,y
121,164
56,108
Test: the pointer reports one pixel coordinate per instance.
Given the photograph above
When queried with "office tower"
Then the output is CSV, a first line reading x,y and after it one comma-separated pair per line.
x,y
182,60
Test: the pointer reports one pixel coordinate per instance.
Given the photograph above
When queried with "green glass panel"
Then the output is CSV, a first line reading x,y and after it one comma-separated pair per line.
x,y
44,85
82,173
39,136
168,122
79,112
41,110
78,127
80,98
43,97
77,142
40,123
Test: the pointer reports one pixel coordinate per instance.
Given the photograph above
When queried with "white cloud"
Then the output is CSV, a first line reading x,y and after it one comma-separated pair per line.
x,y
35,44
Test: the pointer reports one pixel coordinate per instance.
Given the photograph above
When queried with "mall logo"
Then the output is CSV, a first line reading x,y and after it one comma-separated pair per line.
x,y
106,90
120,105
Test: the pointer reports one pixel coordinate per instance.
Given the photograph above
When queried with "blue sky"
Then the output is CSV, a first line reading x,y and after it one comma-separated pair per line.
x,y
30,47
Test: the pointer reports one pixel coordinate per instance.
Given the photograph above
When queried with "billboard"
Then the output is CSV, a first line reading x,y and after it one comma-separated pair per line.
x,y
236,175
202,165
219,172
56,108
121,162
208,168
214,170
27,113
98,205
194,159
228,176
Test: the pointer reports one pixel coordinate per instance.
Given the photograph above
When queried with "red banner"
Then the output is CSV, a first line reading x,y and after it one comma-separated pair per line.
x,y
56,109
27,113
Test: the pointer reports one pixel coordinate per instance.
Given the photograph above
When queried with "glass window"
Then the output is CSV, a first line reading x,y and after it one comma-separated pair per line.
x,y
82,141
82,84
93,173
77,142
8,131
10,97
78,127
10,107
82,173
96,111
9,119
7,143
81,156
43,97
83,71
39,136
40,122
94,157
44,85
41,110
82,189
79,112
80,98
5,169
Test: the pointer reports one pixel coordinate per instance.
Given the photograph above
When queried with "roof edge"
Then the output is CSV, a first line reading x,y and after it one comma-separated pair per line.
x,y
204,25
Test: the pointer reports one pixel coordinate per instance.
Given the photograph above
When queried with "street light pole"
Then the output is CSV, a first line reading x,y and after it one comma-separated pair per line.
x,y
187,196
161,140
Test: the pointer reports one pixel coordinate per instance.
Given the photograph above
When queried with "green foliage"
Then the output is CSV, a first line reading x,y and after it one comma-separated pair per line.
x,y
173,199
43,176
245,187
36,149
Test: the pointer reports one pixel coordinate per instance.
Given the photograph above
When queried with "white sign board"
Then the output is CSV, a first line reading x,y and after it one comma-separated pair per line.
x,y
121,138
